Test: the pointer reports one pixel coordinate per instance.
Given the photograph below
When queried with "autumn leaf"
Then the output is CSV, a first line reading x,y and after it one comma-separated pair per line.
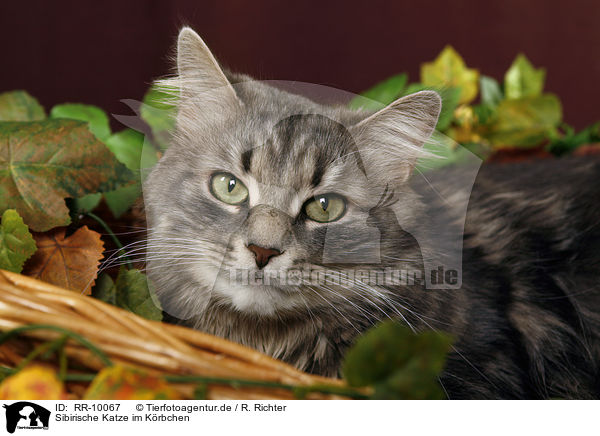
x,y
449,70
523,80
33,383
127,147
20,106
464,126
42,163
16,243
120,383
71,262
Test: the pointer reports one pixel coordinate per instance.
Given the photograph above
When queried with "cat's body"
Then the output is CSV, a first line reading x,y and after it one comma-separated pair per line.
x,y
527,316
530,304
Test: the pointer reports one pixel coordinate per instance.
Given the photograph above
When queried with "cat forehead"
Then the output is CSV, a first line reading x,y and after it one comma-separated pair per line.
x,y
300,150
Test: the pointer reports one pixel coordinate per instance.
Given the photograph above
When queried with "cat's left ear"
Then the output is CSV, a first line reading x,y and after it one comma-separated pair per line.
x,y
391,139
199,75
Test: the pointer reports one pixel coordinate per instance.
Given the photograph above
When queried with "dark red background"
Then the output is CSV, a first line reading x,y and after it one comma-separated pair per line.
x,y
104,51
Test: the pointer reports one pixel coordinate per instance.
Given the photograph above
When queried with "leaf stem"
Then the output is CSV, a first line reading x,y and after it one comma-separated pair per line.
x,y
63,364
44,350
75,336
302,390
74,377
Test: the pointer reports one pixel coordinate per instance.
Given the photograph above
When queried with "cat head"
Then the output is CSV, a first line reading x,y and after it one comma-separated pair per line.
x,y
258,181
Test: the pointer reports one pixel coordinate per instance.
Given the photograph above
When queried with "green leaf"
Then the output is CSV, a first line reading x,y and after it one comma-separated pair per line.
x,y
523,80
382,93
592,132
95,117
44,162
388,348
449,70
377,354
127,146
78,207
134,294
105,289
416,87
571,140
524,122
484,113
414,382
149,158
491,94
450,99
16,243
159,112
20,106
129,292
87,203
122,199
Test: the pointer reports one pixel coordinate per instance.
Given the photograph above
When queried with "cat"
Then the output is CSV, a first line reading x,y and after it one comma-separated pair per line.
x,y
258,180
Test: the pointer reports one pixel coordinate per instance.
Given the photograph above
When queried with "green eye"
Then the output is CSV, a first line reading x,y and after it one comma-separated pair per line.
x,y
326,208
227,188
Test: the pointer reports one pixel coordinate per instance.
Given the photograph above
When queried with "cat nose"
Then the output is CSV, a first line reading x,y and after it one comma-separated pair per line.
x,y
263,255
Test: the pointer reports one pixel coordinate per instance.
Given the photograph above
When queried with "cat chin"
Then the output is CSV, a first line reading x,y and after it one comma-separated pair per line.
x,y
251,299
266,301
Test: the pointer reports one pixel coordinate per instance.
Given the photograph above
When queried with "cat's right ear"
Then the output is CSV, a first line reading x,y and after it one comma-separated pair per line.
x,y
202,83
392,139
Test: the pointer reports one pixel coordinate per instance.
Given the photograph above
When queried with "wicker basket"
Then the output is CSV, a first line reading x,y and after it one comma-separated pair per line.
x,y
136,342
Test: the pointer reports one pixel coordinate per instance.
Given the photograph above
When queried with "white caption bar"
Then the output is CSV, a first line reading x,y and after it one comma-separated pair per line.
x,y
88,418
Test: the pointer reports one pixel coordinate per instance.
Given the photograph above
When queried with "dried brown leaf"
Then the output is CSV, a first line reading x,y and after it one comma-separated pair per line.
x,y
70,262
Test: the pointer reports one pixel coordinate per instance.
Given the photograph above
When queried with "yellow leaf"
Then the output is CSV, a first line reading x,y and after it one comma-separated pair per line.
x,y
33,383
523,80
449,70
120,383
464,116
523,122
464,129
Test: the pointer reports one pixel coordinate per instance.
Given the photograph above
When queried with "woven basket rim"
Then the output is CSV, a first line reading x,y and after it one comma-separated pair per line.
x,y
157,347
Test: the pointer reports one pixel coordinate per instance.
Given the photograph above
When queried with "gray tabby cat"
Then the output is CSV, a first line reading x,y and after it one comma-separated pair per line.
x,y
262,181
